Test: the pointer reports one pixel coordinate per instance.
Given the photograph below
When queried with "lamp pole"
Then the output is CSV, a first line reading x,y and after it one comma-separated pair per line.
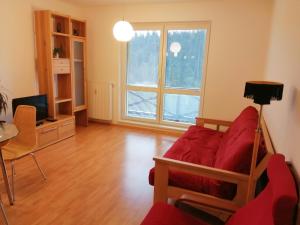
x,y
252,181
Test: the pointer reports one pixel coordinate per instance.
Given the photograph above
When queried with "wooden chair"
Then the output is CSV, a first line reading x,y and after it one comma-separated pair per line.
x,y
275,205
25,142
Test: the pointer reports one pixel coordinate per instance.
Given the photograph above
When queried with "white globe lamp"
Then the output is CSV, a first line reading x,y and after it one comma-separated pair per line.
x,y
123,31
175,48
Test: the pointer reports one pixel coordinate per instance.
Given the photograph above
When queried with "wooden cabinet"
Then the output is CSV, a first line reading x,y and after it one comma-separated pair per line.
x,y
61,60
52,132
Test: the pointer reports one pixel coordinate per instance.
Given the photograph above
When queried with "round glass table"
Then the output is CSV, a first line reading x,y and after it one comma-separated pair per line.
x,y
7,131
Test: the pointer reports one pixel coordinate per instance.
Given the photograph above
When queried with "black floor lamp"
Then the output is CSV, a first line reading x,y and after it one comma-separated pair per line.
x,y
262,92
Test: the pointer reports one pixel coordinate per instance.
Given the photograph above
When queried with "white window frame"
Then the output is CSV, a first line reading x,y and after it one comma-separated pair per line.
x,y
160,90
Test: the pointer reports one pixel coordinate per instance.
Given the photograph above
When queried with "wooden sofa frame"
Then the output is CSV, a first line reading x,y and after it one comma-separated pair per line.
x,y
162,191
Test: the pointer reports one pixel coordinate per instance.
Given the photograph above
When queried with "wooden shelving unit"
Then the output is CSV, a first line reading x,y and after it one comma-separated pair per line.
x,y
61,63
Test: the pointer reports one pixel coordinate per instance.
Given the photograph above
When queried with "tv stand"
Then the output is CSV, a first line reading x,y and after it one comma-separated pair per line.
x,y
49,133
51,119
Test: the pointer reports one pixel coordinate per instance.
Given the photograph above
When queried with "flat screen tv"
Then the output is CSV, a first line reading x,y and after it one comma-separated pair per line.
x,y
38,101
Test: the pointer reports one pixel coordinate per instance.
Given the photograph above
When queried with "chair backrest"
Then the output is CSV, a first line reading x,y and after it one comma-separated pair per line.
x,y
25,121
275,205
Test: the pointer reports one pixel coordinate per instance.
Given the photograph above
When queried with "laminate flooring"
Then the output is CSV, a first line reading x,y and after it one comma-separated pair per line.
x,y
97,177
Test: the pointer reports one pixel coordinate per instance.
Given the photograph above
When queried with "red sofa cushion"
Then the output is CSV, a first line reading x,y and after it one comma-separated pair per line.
x,y
164,214
197,145
235,150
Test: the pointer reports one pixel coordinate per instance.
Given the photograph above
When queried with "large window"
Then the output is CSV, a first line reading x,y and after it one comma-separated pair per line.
x,y
164,77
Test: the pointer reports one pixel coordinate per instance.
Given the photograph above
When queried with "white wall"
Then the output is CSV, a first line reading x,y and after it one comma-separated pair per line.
x,y
17,57
238,46
283,65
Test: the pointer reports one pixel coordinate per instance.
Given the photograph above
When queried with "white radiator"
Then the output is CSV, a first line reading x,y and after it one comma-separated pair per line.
x,y
100,100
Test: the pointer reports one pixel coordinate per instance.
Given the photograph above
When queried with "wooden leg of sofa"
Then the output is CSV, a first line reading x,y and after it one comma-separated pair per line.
x,y
252,191
161,183
241,193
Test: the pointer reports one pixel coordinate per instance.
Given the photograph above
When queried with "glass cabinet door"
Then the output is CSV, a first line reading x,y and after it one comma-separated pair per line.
x,y
79,73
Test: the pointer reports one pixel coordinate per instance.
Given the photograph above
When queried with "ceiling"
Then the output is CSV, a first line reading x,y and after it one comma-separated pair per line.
x,y
109,2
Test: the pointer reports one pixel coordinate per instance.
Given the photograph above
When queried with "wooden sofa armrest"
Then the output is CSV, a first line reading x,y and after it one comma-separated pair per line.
x,y
202,121
162,190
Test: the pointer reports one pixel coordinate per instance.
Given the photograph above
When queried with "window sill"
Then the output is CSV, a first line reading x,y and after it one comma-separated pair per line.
x,y
155,127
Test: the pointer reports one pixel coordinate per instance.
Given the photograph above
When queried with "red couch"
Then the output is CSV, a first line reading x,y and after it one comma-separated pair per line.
x,y
230,150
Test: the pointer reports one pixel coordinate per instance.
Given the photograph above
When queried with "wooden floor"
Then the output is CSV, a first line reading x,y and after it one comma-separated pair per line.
x,y
99,176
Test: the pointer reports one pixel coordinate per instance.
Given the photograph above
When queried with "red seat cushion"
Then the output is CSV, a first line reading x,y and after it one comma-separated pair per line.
x,y
164,214
198,145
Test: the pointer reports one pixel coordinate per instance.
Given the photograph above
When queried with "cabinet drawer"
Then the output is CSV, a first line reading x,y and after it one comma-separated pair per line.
x,y
61,69
61,62
48,135
66,129
61,66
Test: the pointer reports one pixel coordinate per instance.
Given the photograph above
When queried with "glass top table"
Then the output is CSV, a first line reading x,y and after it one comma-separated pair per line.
x,y
7,131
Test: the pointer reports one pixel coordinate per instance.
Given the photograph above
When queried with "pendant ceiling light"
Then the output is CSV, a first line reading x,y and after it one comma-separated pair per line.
x,y
175,48
123,31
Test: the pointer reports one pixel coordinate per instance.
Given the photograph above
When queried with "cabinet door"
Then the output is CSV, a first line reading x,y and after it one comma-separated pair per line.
x,y
79,74
66,128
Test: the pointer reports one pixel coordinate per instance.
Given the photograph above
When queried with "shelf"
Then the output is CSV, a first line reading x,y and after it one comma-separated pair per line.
x,y
60,59
64,107
61,100
60,34
61,74
63,116
57,14
78,28
80,108
60,24
78,37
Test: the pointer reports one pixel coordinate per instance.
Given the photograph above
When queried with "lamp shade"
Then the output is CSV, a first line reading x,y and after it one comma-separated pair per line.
x,y
123,31
262,92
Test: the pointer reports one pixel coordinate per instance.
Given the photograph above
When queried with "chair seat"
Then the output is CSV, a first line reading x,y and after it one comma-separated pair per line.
x,y
164,214
14,150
